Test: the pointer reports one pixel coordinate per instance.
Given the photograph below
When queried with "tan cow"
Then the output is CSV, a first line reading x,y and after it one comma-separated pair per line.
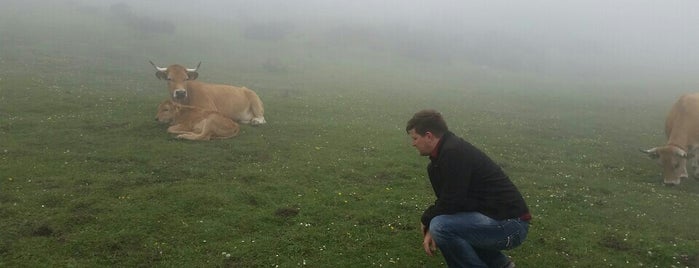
x,y
238,103
194,123
682,132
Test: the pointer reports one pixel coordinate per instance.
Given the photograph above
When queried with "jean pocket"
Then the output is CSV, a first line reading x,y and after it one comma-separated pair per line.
x,y
509,242
513,235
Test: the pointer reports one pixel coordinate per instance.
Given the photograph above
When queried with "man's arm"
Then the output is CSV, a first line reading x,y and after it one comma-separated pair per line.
x,y
428,243
455,173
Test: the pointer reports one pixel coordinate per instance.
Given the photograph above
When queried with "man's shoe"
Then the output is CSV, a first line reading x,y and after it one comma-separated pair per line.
x,y
510,265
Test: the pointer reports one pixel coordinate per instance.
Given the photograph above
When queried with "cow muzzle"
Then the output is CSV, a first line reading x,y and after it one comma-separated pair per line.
x,y
179,94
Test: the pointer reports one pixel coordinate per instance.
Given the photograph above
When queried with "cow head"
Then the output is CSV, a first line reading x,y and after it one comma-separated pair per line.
x,y
167,111
177,77
673,161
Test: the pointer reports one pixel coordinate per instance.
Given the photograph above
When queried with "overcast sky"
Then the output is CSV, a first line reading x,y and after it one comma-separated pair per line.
x,y
604,36
595,19
640,32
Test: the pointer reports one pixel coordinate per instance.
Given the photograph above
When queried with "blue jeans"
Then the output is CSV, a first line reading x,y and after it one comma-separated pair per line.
x,y
471,239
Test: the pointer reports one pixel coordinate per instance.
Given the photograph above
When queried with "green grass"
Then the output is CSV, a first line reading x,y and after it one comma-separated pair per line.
x,y
89,179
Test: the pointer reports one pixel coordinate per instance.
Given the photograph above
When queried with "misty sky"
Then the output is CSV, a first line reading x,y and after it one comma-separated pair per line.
x,y
608,37
632,32
673,23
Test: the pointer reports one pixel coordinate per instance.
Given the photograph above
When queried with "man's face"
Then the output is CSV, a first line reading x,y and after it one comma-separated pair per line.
x,y
424,144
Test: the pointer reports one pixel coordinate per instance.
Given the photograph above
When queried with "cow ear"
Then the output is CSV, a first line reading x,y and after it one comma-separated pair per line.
x,y
192,75
679,152
161,75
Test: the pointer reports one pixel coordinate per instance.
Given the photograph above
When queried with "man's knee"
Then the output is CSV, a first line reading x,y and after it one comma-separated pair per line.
x,y
441,227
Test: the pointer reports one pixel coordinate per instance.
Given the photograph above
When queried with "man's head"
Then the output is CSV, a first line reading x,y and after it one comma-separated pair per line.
x,y
425,129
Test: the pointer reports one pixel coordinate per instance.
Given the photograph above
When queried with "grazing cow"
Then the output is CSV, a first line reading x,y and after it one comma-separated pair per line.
x,y
682,131
238,103
194,123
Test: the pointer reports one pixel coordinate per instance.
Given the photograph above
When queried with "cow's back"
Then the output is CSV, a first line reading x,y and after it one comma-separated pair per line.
x,y
683,118
231,101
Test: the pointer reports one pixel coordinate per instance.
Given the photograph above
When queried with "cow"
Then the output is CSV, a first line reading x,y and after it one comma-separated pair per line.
x,y
194,123
238,103
682,132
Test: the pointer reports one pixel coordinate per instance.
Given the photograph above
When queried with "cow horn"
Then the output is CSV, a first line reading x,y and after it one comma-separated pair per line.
x,y
649,151
195,69
652,153
160,69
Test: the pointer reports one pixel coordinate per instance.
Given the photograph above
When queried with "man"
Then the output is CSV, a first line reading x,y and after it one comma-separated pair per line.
x,y
478,211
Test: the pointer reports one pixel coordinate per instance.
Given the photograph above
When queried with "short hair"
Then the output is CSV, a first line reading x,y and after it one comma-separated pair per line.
x,y
427,120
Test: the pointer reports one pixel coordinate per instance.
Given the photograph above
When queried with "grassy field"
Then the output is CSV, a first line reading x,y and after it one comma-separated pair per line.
x,y
89,179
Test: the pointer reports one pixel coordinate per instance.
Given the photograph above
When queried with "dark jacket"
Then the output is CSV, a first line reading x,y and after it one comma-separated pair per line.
x,y
466,179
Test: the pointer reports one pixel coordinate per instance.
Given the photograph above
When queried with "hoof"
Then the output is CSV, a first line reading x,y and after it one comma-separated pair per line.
x,y
257,121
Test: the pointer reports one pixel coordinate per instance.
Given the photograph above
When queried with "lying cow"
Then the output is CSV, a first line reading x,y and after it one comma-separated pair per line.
x,y
238,103
682,131
194,123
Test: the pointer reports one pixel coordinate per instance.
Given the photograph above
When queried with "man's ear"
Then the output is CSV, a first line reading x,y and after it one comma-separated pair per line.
x,y
433,138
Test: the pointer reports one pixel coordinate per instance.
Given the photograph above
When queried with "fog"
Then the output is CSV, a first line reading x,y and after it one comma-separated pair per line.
x,y
548,35
591,39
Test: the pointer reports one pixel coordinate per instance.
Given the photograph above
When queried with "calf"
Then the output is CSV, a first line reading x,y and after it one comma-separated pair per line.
x,y
194,123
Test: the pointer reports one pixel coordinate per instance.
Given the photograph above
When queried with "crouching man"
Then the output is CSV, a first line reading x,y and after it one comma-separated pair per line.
x,y
478,212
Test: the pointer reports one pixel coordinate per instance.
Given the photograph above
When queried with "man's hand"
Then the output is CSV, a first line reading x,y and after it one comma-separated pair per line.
x,y
427,243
